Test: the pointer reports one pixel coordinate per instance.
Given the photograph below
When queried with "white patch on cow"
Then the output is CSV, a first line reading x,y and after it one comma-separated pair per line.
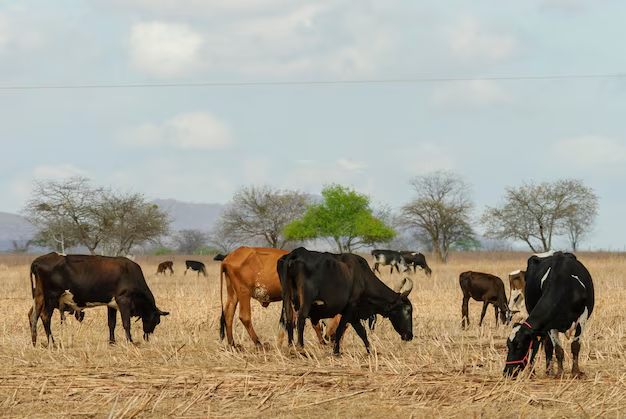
x,y
61,254
514,332
318,302
67,298
554,337
414,254
581,321
545,277
516,299
545,254
515,272
260,293
581,282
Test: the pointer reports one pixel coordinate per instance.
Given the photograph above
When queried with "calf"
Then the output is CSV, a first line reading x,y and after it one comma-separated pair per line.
x,y
416,259
164,266
389,257
559,298
81,281
323,285
195,266
482,287
517,285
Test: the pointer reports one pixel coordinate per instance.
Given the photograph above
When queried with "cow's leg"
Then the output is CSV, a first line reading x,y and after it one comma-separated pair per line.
x,y
229,311
548,348
245,315
495,307
391,272
372,321
318,331
376,267
464,312
341,327
360,330
303,313
33,314
124,308
575,351
558,349
112,317
482,315
46,318
186,271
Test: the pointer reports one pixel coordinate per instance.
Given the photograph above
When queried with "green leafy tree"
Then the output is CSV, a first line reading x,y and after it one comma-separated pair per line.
x,y
344,218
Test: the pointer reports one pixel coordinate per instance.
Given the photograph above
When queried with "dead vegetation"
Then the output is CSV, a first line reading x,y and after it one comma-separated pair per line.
x,y
185,371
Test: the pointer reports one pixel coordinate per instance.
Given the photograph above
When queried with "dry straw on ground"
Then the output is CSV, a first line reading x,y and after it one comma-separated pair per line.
x,y
185,371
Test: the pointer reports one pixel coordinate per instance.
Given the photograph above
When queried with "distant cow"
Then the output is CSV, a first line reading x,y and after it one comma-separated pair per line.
x,y
483,287
416,259
517,285
195,266
559,298
389,257
81,281
220,256
321,285
164,266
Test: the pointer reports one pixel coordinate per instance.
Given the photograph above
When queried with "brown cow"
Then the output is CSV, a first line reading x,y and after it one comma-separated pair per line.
x,y
250,272
482,287
164,266
518,287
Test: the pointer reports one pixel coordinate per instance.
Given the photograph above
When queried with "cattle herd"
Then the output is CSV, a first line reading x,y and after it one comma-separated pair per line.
x,y
556,288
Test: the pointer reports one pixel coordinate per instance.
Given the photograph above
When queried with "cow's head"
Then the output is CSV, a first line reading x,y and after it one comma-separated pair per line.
x,y
523,345
151,320
401,314
404,267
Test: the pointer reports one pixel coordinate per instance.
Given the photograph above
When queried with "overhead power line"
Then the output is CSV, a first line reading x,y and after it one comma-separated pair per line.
x,y
312,82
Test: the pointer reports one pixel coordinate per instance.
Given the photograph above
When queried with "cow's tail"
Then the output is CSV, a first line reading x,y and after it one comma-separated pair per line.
x,y
203,270
33,316
287,286
223,318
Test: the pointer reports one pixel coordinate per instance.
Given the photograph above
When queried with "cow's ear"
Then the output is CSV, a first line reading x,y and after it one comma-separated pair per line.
x,y
164,313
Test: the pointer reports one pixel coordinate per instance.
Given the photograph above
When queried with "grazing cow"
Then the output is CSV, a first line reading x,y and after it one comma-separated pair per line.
x,y
418,260
482,287
322,285
220,256
81,281
559,298
517,285
389,257
195,266
164,266
250,272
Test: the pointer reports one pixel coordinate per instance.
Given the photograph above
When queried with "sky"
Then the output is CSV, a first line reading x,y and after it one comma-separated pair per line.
x,y
200,144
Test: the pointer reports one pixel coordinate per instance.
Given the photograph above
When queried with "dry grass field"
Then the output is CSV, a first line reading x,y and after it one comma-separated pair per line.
x,y
185,371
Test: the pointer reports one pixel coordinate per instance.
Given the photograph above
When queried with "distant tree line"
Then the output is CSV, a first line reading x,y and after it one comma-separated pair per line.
x,y
440,217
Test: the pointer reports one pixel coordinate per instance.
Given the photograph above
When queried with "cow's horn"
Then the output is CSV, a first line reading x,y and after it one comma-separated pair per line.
x,y
408,289
398,287
164,313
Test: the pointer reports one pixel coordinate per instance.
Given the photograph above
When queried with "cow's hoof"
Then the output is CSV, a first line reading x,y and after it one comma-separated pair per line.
x,y
578,374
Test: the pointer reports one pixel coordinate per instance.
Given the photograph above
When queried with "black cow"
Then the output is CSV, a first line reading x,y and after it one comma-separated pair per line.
x,y
322,285
220,256
418,260
389,257
483,287
195,266
559,298
80,281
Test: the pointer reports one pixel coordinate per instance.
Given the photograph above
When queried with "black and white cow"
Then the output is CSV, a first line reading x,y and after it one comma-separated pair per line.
x,y
195,266
418,260
559,298
389,257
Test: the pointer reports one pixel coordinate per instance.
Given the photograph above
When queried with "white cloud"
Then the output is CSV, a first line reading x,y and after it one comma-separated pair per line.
x,y
469,39
57,172
164,49
591,152
471,93
346,164
188,131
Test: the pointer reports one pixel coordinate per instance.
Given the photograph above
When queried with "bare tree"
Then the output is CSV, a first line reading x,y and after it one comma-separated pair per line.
x,y
222,239
441,210
73,211
261,213
21,247
536,214
187,241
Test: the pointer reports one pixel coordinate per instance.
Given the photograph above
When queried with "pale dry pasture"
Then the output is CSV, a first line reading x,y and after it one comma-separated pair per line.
x,y
186,371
